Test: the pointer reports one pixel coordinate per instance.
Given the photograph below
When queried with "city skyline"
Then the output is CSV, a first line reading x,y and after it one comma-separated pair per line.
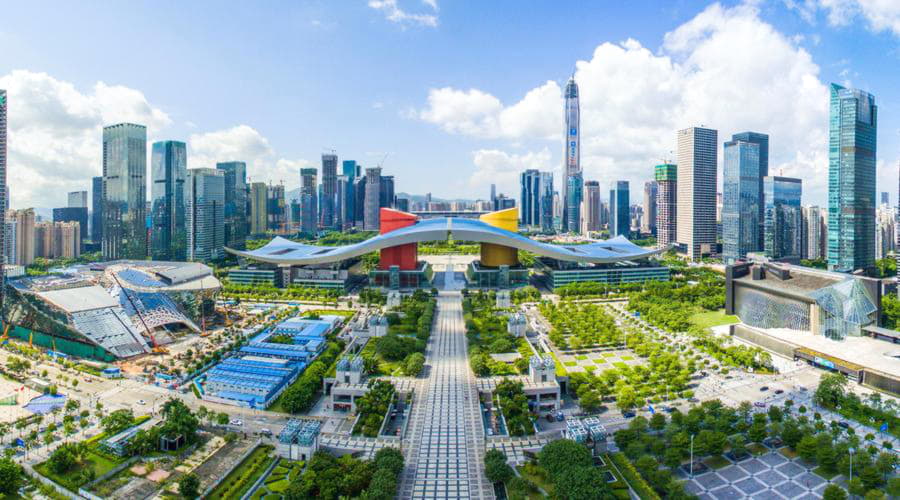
x,y
487,130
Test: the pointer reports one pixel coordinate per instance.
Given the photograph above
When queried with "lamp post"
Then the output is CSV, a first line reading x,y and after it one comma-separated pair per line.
x,y
692,456
851,450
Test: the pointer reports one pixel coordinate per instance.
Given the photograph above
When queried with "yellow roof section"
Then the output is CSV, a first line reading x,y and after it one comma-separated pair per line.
x,y
504,219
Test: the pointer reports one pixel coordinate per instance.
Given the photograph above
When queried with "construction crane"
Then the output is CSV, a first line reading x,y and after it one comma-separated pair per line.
x,y
381,163
157,349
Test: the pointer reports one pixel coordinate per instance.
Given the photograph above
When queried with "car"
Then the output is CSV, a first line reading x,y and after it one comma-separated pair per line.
x,y
764,388
265,432
141,402
843,425
560,417
759,404
629,414
669,409
779,391
236,422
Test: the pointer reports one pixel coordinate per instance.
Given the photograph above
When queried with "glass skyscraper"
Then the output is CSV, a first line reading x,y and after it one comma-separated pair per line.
x,y
97,209
741,201
236,208
619,210
308,199
329,188
853,124
205,213
784,218
572,175
168,170
124,191
762,140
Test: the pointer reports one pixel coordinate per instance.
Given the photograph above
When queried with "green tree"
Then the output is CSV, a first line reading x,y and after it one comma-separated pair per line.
x,y
581,483
807,448
590,401
757,432
383,485
414,364
12,477
222,418
893,487
831,391
117,421
495,467
834,492
563,454
658,421
189,486
738,446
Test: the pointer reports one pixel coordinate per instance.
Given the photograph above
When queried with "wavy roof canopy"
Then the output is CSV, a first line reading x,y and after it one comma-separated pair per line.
x,y
286,252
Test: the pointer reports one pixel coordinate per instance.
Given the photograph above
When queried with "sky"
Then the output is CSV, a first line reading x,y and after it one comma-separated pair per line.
x,y
448,95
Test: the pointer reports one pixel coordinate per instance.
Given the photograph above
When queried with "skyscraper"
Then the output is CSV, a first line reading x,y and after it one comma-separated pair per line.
x,y
386,193
4,191
762,140
308,200
572,176
258,208
168,170
97,209
78,199
592,205
853,125
740,204
236,220
783,234
885,198
205,213
666,203
352,174
529,197
124,191
813,239
651,192
276,208
24,235
696,228
372,199
329,188
619,210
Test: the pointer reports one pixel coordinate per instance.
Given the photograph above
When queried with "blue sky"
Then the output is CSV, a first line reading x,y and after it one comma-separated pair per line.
x,y
460,94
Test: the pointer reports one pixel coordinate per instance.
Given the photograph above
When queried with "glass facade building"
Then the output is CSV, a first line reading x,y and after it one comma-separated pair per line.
x,y
784,218
572,174
329,189
666,207
853,126
205,213
740,201
97,209
308,199
124,191
168,170
236,203
761,140
619,210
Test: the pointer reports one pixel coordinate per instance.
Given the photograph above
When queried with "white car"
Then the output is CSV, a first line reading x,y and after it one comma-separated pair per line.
x,y
141,402
237,422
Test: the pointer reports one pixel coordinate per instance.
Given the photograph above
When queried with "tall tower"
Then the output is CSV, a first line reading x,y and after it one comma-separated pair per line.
x,y
666,207
696,228
592,205
572,175
853,126
205,213
619,210
783,234
97,209
329,189
124,191
168,169
651,190
741,201
761,140
236,214
308,200
372,200
4,193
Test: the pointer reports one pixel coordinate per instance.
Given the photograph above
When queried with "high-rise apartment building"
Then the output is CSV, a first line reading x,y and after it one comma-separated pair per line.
x,y
783,224
54,240
696,158
651,193
259,216
761,140
329,189
24,224
592,206
308,200
78,199
853,126
236,211
572,174
372,199
813,237
205,193
78,215
666,176
740,201
884,231
97,209
619,210
168,171
124,191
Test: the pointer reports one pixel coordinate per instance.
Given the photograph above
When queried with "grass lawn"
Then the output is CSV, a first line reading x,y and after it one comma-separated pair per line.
x,y
756,449
560,369
73,478
824,473
581,357
708,319
620,365
609,354
627,358
600,361
571,363
244,475
716,462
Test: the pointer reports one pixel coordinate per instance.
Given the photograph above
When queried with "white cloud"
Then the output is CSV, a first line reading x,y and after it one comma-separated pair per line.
x,y
725,68
392,12
55,133
881,15
502,168
244,143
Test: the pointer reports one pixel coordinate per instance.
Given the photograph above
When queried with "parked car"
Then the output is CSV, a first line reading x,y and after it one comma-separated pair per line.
x,y
265,432
764,388
236,422
759,404
141,402
669,409
843,425
629,414
560,417
779,391
549,417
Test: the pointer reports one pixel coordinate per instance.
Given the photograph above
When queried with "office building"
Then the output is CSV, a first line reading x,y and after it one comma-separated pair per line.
x,y
205,195
853,124
78,199
386,193
9,241
619,210
340,202
592,205
236,211
168,170
124,191
258,208
740,202
572,174
329,188
4,189
783,232
276,209
308,200
529,197
351,171
813,238
884,231
761,140
696,188
77,215
651,194
372,199
97,209
666,203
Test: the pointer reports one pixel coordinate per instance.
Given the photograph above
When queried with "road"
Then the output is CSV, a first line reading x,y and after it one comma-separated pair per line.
x,y
445,443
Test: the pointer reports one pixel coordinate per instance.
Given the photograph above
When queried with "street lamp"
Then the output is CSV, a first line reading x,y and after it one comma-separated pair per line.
x,y
851,450
692,456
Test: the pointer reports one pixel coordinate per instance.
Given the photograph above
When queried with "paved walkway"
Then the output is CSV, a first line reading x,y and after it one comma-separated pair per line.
x,y
444,444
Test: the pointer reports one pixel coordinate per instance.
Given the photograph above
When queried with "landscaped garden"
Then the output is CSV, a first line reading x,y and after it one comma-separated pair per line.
x,y
487,334
400,352
330,478
577,326
278,481
513,405
372,407
242,477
